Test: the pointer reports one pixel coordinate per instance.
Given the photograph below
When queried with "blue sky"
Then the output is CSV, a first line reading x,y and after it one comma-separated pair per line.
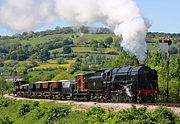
x,y
163,14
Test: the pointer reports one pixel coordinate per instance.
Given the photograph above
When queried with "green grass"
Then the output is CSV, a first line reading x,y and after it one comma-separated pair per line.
x,y
15,111
81,49
44,39
47,38
52,64
47,66
89,37
85,49
57,50
52,61
73,118
153,47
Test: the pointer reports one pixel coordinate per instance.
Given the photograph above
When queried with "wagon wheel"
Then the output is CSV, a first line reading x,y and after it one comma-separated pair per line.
x,y
114,98
117,99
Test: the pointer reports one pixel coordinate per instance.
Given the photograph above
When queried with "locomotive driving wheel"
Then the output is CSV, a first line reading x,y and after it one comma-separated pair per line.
x,y
115,97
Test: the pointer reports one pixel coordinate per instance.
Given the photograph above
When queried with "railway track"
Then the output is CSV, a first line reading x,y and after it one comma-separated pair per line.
x,y
95,102
163,104
83,106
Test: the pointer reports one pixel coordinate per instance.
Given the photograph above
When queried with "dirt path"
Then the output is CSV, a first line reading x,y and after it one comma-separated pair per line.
x,y
83,106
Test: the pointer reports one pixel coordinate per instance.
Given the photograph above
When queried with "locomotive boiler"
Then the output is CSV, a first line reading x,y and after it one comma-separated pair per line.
x,y
125,84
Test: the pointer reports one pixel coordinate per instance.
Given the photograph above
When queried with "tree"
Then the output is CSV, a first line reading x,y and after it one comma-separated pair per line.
x,y
57,28
94,44
101,45
173,50
108,41
61,60
67,50
124,60
84,29
67,41
43,55
21,70
2,83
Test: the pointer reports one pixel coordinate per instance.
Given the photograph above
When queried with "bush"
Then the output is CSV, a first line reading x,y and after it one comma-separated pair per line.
x,y
95,115
24,109
164,115
38,113
5,120
56,112
4,102
132,116
61,61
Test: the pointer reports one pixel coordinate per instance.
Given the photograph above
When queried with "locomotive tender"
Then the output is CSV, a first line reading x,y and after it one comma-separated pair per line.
x,y
124,84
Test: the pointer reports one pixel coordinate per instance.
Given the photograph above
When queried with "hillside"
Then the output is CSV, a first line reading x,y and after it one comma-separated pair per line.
x,y
64,52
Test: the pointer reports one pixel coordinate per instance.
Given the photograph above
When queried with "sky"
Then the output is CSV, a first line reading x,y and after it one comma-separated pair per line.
x,y
163,14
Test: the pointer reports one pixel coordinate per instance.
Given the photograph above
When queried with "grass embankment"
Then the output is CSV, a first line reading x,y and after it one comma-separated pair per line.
x,y
27,112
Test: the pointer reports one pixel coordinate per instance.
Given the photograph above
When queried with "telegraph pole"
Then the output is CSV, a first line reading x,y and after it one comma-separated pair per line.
x,y
167,77
178,92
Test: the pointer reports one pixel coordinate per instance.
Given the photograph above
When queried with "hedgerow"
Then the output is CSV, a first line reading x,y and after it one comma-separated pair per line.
x,y
132,116
46,113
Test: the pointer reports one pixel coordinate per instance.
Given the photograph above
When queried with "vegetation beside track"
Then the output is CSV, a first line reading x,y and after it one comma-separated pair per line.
x,y
26,112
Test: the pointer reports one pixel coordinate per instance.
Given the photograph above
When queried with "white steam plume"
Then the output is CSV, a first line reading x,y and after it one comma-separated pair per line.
x,y
25,15
122,16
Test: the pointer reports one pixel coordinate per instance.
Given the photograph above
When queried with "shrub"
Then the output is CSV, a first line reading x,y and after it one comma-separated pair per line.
x,y
95,115
132,116
164,115
4,102
24,109
35,103
61,60
56,112
38,113
5,120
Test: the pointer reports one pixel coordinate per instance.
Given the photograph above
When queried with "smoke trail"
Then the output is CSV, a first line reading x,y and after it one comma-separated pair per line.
x,y
122,16
25,15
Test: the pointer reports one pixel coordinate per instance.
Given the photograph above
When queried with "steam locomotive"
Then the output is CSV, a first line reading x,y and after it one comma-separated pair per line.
x,y
124,84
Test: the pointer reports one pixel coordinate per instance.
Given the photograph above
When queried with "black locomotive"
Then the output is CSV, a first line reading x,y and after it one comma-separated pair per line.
x,y
125,84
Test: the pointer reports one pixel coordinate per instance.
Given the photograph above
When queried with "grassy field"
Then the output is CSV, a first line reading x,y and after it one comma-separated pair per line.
x,y
81,49
89,37
44,39
76,37
85,49
52,64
